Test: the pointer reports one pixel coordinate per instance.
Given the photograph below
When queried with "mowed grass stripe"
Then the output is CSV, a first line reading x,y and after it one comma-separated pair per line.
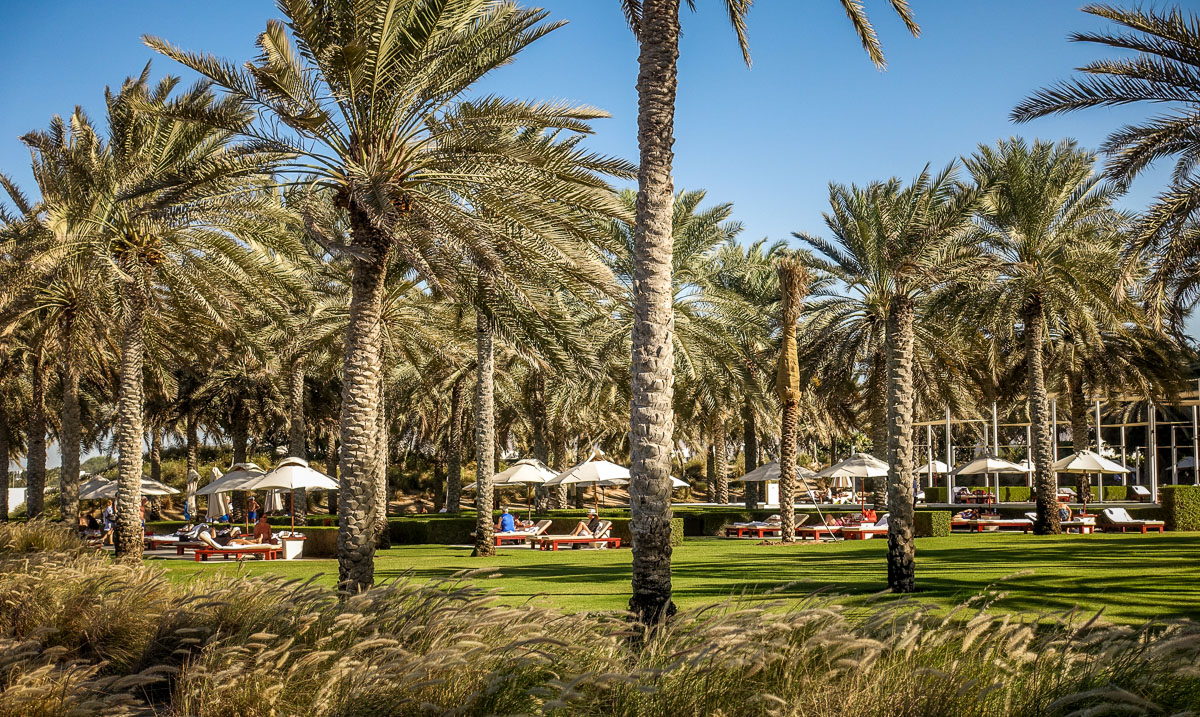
x,y
1133,577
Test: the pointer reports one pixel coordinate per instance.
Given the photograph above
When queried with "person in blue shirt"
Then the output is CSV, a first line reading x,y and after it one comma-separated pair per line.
x,y
506,524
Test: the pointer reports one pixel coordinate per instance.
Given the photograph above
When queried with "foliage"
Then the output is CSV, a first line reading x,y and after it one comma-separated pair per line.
x,y
259,646
1181,506
932,523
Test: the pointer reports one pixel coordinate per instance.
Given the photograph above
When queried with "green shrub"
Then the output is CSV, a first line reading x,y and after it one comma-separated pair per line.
x,y
1180,506
1116,493
320,542
937,494
932,523
1015,493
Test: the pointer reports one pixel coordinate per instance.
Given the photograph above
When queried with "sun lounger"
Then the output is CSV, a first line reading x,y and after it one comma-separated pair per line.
x,y
269,552
1086,524
756,529
866,530
1114,519
154,542
516,537
816,532
601,539
1141,492
978,525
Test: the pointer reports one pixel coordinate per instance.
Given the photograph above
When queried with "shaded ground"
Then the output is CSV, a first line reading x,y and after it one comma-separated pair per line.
x,y
1133,577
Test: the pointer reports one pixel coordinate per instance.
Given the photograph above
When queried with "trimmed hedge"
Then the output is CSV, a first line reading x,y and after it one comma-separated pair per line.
x,y
320,542
932,523
456,530
936,494
1015,493
1180,506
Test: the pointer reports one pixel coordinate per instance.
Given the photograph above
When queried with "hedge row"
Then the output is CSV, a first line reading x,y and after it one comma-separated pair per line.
x,y
1180,506
456,530
1024,494
932,523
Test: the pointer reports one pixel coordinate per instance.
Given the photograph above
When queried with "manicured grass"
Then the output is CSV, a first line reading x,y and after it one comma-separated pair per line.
x,y
1133,577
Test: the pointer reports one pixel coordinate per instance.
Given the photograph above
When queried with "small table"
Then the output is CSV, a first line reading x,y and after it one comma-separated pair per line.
x,y
293,547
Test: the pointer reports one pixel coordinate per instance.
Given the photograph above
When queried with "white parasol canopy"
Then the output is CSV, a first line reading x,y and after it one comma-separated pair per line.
x,y
770,472
934,467
678,483
592,472
1188,462
527,471
1086,461
218,505
859,465
290,474
988,464
240,477
101,488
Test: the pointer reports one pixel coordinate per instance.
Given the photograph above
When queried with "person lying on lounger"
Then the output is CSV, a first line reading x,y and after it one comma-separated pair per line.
x,y
588,528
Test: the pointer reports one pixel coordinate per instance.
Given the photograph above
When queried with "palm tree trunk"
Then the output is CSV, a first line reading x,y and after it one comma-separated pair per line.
x,y
68,443
750,441
383,537
192,431
877,395
360,402
541,445
128,534
297,435
485,433
558,498
332,465
651,422
239,436
35,461
792,285
1047,522
721,462
1079,429
902,548
455,439
155,512
4,461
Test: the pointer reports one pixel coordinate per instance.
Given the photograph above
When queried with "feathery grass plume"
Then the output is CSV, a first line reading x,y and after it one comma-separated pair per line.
x,y
80,634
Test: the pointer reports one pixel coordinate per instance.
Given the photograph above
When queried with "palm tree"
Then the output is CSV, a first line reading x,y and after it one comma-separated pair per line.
x,y
1161,70
927,249
655,23
793,284
412,167
1043,218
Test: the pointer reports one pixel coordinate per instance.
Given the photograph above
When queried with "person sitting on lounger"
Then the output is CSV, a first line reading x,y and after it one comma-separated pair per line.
x,y
262,530
1064,512
588,528
506,524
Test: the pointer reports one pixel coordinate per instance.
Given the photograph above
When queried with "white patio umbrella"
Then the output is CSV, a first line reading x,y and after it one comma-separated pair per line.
x,y
218,505
985,465
102,488
933,467
239,477
678,483
1087,461
1185,463
526,472
193,482
592,472
859,465
273,503
770,472
292,474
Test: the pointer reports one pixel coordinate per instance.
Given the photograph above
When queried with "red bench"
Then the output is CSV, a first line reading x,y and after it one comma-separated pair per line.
x,y
978,525
755,531
553,541
269,552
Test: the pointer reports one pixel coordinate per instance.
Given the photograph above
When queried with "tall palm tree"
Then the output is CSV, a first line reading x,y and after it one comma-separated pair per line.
x,y
1043,218
655,23
413,166
928,247
793,284
1158,66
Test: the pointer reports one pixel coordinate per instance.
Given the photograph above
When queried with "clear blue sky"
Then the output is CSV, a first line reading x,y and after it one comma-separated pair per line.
x,y
813,108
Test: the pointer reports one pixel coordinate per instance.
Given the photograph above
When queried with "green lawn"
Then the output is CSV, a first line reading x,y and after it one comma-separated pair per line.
x,y
1133,577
